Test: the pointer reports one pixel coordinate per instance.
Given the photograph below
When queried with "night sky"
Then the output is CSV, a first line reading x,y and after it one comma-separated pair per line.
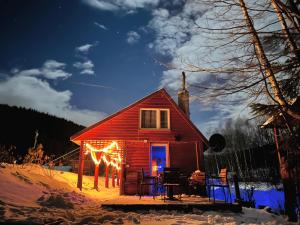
x,y
85,59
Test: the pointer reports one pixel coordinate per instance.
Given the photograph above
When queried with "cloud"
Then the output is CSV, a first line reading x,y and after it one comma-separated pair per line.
x,y
173,31
26,88
85,48
93,85
132,37
102,5
116,5
51,69
178,37
86,67
100,26
222,112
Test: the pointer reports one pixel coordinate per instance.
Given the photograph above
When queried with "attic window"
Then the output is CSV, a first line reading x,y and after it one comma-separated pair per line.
x,y
155,119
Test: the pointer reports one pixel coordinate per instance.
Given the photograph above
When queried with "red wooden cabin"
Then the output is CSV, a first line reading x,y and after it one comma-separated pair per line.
x,y
152,133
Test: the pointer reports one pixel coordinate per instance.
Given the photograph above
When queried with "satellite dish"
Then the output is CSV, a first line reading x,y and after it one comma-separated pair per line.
x,y
217,142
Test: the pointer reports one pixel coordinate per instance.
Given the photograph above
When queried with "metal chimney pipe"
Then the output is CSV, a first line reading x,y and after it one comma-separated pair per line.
x,y
183,80
183,97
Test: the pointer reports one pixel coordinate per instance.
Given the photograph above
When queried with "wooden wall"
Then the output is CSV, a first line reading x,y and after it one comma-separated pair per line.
x,y
125,125
137,157
182,156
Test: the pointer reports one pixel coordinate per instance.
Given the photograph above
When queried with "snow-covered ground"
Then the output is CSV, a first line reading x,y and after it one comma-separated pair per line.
x,y
35,195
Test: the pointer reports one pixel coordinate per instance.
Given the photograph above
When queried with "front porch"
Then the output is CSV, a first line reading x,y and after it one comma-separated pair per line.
x,y
110,198
186,204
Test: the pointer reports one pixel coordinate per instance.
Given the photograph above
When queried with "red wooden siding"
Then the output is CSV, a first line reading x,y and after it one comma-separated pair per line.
x,y
183,156
137,157
125,125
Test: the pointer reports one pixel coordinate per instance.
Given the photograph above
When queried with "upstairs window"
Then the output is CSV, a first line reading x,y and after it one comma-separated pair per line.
x,y
149,118
155,119
164,121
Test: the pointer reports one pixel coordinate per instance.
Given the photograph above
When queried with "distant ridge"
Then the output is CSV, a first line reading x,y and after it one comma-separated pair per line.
x,y
18,126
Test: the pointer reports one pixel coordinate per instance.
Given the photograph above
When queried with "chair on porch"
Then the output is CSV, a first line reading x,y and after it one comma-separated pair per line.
x,y
147,181
219,181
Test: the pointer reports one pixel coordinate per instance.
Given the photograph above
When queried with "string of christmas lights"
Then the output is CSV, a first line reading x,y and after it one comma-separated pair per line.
x,y
106,155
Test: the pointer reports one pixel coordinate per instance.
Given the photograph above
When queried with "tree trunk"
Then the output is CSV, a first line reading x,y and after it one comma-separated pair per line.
x,y
292,44
289,191
295,10
291,11
266,66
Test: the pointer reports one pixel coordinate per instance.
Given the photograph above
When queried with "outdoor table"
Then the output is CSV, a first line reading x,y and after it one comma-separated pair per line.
x,y
170,191
171,179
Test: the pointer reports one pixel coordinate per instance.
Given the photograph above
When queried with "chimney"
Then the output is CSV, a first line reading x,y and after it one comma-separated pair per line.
x,y
183,98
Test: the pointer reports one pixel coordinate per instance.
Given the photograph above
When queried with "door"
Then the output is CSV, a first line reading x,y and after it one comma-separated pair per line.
x,y
158,158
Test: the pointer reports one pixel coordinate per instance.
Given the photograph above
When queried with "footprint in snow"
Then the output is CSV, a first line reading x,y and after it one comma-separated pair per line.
x,y
117,221
106,218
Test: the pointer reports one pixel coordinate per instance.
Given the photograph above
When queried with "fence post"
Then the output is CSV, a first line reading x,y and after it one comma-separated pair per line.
x,y
80,166
236,188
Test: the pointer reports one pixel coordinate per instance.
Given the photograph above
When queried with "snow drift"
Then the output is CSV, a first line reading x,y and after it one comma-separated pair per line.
x,y
35,195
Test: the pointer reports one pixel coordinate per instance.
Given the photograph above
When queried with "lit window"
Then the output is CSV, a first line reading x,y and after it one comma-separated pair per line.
x,y
149,118
155,119
164,119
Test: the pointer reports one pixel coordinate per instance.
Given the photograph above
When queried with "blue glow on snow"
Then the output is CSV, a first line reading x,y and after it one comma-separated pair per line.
x,y
270,197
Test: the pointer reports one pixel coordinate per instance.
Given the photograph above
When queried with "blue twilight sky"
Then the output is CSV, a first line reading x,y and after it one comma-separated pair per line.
x,y
85,59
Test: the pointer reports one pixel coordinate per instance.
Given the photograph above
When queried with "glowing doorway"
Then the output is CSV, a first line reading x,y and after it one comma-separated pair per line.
x,y
159,156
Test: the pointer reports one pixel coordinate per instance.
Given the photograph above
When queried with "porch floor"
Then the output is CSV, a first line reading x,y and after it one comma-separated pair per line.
x,y
187,204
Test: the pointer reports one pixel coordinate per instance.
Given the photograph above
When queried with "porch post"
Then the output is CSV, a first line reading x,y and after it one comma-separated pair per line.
x,y
197,154
118,177
96,176
238,198
121,172
113,177
81,166
201,155
106,176
122,178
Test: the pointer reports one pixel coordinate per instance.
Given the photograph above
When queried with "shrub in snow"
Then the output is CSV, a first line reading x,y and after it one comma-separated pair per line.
x,y
56,201
7,154
106,218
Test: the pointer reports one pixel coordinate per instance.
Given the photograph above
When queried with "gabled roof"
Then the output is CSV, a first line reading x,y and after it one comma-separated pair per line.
x,y
162,91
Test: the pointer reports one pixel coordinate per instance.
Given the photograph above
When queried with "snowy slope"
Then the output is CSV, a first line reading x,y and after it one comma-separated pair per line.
x,y
36,195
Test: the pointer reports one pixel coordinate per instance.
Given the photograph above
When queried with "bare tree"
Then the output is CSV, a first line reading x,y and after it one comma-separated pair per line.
x,y
252,48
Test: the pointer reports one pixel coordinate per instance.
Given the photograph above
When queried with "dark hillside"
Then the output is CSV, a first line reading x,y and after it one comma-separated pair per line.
x,y
18,126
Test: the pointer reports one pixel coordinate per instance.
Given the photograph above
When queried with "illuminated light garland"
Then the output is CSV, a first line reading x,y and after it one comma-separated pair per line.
x,y
115,161
94,157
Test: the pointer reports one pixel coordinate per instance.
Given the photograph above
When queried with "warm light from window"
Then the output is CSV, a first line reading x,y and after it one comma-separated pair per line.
x,y
154,118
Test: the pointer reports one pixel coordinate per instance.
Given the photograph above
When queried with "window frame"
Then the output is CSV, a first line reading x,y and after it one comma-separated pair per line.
x,y
158,121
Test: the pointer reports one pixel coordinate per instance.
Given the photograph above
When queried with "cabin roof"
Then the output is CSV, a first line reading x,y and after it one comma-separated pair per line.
x,y
76,137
